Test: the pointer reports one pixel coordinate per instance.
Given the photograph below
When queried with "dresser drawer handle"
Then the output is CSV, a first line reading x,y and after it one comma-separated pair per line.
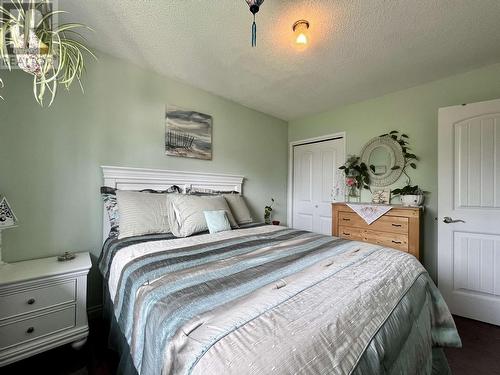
x,y
346,234
31,301
396,225
398,242
346,219
30,330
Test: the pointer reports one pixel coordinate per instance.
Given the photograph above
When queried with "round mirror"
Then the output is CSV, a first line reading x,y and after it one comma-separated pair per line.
x,y
383,156
382,160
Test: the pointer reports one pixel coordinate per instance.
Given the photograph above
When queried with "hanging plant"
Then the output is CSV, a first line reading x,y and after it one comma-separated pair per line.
x,y
53,54
410,159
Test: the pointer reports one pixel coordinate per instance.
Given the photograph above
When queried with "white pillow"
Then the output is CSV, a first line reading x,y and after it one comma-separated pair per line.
x,y
185,213
239,208
141,213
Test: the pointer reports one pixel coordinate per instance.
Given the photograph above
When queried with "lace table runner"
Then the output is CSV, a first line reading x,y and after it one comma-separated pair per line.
x,y
369,212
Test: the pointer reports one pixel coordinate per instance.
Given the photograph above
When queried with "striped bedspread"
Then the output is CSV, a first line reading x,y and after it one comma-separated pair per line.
x,y
260,300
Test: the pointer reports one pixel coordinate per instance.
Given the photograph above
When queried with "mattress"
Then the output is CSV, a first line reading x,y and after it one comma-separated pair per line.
x,y
268,299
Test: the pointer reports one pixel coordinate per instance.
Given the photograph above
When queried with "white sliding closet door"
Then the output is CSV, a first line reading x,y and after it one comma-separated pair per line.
x,y
469,209
314,167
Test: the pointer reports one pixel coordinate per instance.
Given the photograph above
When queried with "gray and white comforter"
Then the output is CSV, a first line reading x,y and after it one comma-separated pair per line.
x,y
274,300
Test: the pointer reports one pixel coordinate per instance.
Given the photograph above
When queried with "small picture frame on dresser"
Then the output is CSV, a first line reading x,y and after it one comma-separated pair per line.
x,y
382,196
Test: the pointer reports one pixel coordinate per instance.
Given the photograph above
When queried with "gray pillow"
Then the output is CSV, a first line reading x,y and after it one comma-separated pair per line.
x,y
109,197
239,208
185,213
142,213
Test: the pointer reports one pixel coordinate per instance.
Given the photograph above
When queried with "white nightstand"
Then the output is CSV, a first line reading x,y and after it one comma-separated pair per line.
x,y
42,305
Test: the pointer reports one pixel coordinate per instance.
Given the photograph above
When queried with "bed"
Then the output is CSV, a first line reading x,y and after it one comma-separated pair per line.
x,y
266,299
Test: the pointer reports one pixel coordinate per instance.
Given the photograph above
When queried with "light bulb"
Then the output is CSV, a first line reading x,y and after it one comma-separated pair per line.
x,y
301,39
300,29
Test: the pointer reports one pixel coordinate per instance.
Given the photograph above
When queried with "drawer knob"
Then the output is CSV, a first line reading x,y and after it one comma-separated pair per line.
x,y
396,225
346,234
346,219
398,242
30,330
31,301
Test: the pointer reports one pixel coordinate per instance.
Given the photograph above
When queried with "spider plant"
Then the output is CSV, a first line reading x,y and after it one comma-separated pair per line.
x,y
53,54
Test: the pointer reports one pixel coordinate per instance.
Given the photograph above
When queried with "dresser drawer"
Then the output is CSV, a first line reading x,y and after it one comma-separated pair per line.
x,y
30,329
355,234
394,240
386,223
36,299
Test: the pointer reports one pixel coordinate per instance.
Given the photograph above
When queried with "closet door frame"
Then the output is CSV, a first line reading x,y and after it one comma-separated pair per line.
x,y
291,145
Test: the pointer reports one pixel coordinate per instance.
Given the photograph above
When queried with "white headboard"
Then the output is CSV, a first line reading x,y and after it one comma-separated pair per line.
x,y
160,179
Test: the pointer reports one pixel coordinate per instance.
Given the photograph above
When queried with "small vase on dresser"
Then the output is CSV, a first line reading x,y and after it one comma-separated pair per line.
x,y
42,306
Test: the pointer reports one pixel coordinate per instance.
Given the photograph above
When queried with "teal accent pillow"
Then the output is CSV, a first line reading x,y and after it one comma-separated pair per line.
x,y
217,221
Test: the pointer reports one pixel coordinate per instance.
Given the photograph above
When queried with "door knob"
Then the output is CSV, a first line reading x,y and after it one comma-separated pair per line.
x,y
449,220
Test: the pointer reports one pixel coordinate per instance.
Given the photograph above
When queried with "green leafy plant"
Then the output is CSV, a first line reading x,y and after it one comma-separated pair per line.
x,y
408,190
267,212
53,54
410,159
356,172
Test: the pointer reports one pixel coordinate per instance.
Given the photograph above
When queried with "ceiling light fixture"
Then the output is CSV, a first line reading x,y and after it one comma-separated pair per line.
x,y
300,29
254,8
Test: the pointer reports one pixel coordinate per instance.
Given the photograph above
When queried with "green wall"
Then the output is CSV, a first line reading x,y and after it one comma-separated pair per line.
x,y
413,111
50,158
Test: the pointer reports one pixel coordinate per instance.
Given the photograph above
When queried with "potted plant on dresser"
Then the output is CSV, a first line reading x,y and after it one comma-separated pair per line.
x,y
411,196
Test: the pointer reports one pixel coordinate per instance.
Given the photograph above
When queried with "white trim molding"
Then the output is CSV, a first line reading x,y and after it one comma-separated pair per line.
x,y
114,176
291,145
160,179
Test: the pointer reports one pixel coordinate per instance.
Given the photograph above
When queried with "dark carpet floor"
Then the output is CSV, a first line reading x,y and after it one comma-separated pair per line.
x,y
480,354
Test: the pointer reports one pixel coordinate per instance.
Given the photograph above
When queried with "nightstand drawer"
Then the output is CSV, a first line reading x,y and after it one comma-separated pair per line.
x,y
36,299
29,329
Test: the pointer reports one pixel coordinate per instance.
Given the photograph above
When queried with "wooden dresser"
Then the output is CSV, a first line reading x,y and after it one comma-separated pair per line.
x,y
399,228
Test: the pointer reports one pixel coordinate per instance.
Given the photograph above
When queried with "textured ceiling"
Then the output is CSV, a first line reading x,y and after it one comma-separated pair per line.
x,y
359,48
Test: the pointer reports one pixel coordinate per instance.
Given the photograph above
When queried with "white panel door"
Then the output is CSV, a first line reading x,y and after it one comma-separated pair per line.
x,y
314,167
469,209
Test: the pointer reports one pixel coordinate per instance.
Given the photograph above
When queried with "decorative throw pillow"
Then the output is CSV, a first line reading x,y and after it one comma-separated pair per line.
x,y
185,212
109,198
217,221
239,208
108,195
141,213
